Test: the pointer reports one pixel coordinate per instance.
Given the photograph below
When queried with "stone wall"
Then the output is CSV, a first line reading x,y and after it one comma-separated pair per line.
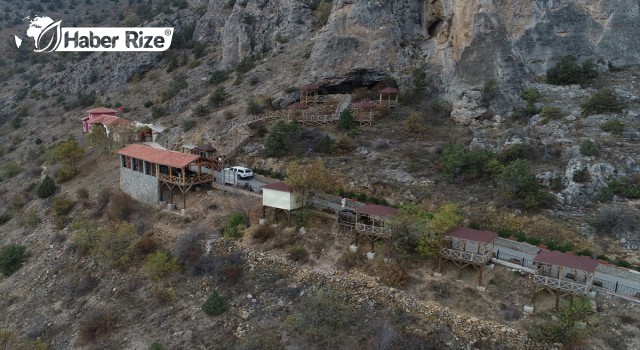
x,y
144,188
358,287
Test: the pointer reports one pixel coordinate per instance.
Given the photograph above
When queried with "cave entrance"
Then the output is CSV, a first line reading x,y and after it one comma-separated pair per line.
x,y
434,27
354,80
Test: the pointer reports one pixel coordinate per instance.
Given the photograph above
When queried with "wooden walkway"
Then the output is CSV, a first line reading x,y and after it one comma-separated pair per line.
x,y
236,133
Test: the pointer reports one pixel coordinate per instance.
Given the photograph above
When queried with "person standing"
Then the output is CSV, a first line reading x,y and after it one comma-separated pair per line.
x,y
343,202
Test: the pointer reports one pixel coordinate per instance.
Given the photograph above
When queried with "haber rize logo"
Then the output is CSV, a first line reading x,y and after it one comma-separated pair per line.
x,y
49,36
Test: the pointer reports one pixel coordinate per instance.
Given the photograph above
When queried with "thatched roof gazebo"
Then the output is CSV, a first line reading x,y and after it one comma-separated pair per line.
x,y
389,96
309,93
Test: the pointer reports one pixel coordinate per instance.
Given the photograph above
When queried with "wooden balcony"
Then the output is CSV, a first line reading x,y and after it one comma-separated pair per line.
x,y
563,285
189,180
468,257
374,231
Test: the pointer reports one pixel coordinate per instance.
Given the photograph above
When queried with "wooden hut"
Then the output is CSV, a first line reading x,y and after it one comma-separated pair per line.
x,y
371,221
363,112
389,97
146,173
468,247
309,94
563,274
205,151
279,197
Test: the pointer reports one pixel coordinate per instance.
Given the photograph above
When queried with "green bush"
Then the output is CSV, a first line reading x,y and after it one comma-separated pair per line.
x,y
298,253
581,175
614,126
65,173
158,111
235,225
589,148
623,263
188,124
12,257
245,65
602,102
323,11
563,328
5,217
156,345
533,240
551,112
326,145
568,71
520,187
46,188
253,108
284,138
218,96
530,95
346,121
460,164
218,76
585,252
602,257
10,169
148,104
160,264
215,304
32,220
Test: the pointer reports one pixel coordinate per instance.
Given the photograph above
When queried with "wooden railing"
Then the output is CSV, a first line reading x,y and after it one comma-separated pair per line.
x,y
473,258
189,180
560,284
376,231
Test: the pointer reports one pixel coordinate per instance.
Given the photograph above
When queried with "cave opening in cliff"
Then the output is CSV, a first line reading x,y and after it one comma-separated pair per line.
x,y
356,80
434,27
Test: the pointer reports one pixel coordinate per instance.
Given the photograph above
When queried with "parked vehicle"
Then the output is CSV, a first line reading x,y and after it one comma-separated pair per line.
x,y
241,173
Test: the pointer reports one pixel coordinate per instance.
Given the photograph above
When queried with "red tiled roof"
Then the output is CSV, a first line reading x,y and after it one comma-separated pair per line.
x,y
298,105
101,110
159,156
377,210
309,87
364,104
566,260
106,119
389,90
470,234
277,186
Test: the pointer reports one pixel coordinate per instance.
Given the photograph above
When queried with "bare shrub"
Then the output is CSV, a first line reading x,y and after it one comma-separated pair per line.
x,y
392,274
82,285
298,254
510,312
82,194
263,233
189,249
616,220
97,326
103,198
120,207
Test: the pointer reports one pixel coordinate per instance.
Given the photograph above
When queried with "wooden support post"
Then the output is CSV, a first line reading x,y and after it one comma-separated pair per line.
x,y
480,279
184,176
373,244
264,210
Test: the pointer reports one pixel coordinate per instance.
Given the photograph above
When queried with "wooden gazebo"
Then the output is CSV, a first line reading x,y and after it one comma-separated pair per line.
x,y
309,94
562,274
363,112
465,246
170,169
206,151
389,96
371,221
296,109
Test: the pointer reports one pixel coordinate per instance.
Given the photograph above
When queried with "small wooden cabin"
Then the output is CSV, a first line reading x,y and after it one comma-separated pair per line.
x,y
465,246
563,273
279,197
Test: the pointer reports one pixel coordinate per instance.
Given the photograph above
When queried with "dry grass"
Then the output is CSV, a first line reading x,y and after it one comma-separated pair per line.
x,y
97,326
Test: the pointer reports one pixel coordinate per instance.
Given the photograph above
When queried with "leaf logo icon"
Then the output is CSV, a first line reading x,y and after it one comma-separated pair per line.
x,y
53,41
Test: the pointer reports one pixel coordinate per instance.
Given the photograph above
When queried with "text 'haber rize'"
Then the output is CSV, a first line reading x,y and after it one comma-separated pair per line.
x,y
133,40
